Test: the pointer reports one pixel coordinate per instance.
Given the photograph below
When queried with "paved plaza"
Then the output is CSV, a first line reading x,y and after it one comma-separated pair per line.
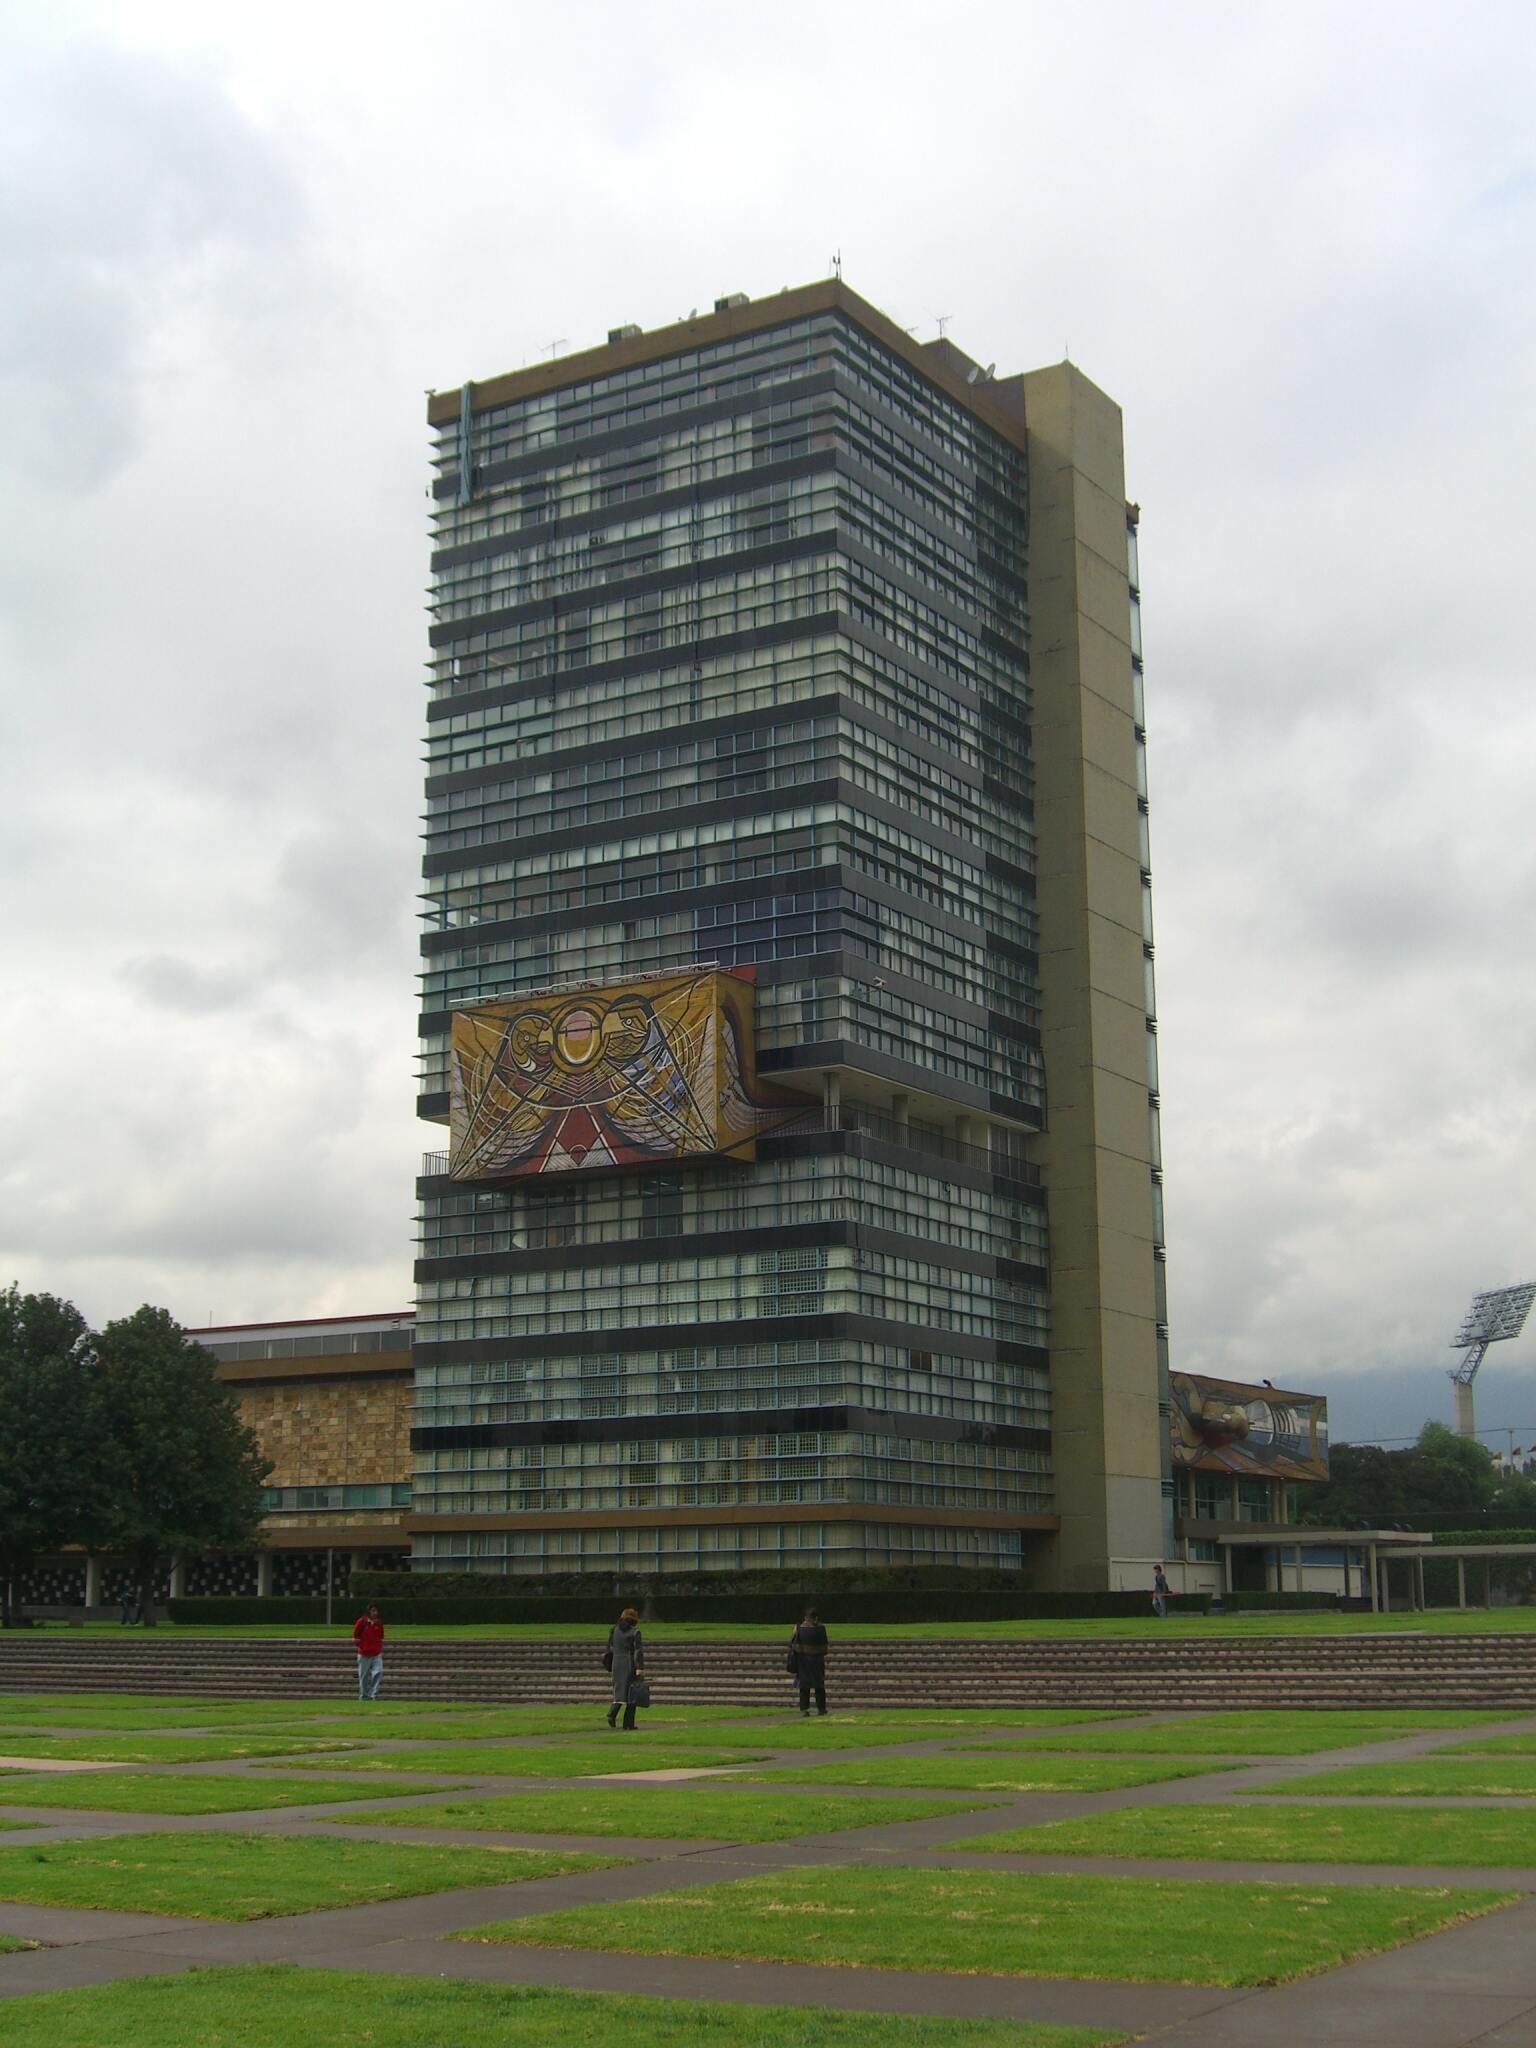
x,y
1475,1982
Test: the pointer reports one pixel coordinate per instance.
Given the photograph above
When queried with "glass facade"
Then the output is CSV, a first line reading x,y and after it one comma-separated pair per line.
x,y
730,664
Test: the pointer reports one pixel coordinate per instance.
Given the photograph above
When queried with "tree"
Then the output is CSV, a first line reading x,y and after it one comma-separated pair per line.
x,y
186,1473
1441,1474
50,1467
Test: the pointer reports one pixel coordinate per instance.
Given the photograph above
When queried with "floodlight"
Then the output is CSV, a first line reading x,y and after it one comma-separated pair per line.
x,y
1498,1314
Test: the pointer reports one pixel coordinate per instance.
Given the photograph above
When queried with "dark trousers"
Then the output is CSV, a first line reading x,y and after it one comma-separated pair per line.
x,y
820,1690
629,1715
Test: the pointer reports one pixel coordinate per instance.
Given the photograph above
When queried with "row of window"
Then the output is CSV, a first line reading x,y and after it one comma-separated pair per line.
x,y
640,1293
312,1498
777,1193
728,1546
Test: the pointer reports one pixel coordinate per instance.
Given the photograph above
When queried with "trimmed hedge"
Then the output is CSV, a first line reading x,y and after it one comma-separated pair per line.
x,y
1270,1603
838,1610
232,1609
1485,1536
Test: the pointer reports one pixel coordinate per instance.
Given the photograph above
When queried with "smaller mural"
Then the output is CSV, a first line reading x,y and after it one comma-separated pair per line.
x,y
638,1073
1258,1432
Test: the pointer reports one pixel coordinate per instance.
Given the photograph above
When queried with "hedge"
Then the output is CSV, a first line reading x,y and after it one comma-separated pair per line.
x,y
1485,1536
836,1609
1269,1603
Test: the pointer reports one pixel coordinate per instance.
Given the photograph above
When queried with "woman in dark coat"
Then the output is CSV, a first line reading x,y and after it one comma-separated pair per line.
x,y
809,1646
628,1653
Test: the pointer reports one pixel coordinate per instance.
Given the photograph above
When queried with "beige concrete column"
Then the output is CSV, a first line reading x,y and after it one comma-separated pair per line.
x,y
178,1579
263,1575
93,1582
1095,1151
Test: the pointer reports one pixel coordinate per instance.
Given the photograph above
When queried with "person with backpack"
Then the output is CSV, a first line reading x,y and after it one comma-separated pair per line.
x,y
808,1661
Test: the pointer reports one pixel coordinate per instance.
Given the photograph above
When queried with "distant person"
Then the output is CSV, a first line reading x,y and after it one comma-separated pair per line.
x,y
625,1658
808,1656
368,1636
1159,1592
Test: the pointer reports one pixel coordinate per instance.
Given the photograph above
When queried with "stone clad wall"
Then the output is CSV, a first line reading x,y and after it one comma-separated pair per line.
x,y
343,1432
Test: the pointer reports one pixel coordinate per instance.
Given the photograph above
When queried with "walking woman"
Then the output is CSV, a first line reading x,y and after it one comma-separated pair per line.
x,y
627,1654
808,1647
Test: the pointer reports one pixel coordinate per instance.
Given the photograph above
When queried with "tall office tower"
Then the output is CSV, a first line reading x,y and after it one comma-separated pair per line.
x,y
787,966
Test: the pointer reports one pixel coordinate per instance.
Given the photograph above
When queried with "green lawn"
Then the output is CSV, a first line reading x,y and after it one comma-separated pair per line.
x,y
10,1944
617,1752
166,1749
1261,1732
123,1792
1424,1778
1470,1839
490,1724
255,1877
688,1813
998,1772
1493,1745
1001,1924
282,2006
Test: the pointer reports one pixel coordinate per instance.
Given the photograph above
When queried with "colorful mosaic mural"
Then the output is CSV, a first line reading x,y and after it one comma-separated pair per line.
x,y
642,1073
1231,1426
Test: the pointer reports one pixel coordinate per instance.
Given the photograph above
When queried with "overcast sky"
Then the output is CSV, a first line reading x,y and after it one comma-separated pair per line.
x,y
237,245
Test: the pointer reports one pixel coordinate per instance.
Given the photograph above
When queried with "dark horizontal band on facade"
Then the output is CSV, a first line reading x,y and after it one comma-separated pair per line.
x,y
734,1333
728,1422
743,1239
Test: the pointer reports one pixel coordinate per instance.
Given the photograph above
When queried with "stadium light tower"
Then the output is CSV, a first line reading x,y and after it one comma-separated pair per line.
x,y
1499,1313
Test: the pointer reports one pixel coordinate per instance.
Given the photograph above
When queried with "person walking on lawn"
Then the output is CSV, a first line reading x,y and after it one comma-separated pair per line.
x,y
368,1638
625,1657
1160,1593
808,1648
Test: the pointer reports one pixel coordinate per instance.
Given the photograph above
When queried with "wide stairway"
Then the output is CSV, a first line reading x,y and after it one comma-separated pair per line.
x,y
1145,1673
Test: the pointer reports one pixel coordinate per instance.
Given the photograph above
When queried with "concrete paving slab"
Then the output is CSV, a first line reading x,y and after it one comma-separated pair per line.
x,y
1282,2019
60,1763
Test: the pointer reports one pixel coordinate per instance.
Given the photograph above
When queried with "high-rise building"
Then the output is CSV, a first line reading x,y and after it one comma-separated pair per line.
x,y
787,966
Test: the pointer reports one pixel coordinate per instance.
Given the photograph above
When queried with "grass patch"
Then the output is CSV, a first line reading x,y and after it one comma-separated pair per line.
x,y
1493,1745
1262,1733
11,1944
552,1760
166,1749
282,2006
121,1792
1000,1924
503,1723
681,1812
998,1772
1471,1839
256,1877
1421,1778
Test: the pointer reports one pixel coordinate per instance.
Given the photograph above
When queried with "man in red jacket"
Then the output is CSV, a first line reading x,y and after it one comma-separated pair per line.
x,y
368,1635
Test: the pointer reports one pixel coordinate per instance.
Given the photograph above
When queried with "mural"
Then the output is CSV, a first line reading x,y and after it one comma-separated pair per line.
x,y
1257,1432
641,1073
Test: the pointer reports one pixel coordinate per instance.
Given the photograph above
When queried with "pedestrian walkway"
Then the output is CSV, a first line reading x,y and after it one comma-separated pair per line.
x,y
1475,1983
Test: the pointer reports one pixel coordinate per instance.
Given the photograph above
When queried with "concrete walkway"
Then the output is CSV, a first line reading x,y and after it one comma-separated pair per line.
x,y
1473,1986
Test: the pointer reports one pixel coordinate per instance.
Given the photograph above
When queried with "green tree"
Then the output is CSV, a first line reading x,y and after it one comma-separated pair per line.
x,y
50,1465
186,1473
1369,1488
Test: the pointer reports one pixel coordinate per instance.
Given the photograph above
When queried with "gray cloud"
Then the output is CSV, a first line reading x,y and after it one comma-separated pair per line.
x,y
1296,246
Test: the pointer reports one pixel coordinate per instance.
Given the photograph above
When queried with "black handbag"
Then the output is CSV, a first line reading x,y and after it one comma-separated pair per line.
x,y
607,1660
637,1694
792,1660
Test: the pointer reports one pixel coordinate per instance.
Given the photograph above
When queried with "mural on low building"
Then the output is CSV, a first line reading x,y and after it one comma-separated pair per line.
x,y
1256,1431
640,1073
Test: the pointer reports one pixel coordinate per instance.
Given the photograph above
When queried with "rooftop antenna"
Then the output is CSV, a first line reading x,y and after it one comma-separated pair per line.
x,y
1493,1316
837,264
553,348
943,320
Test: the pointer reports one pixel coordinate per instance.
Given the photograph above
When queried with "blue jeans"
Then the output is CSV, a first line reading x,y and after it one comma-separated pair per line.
x,y
370,1676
